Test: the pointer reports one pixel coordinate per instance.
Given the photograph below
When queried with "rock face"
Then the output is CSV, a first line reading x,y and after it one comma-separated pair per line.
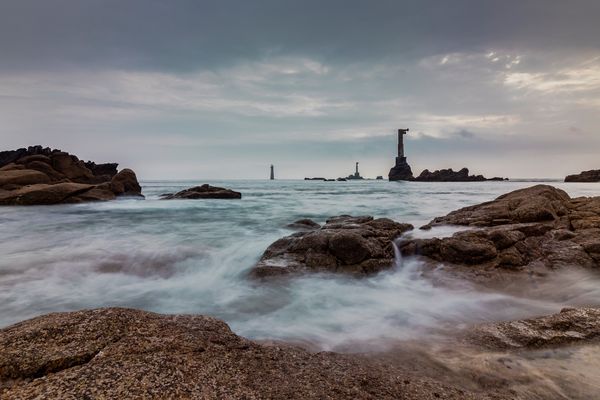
x,y
123,353
571,325
355,245
204,192
585,176
39,175
540,226
448,175
401,171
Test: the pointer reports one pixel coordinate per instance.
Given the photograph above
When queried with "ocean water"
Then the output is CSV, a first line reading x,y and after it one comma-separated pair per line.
x,y
193,256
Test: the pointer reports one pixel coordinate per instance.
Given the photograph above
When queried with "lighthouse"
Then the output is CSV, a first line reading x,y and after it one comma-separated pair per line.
x,y
272,172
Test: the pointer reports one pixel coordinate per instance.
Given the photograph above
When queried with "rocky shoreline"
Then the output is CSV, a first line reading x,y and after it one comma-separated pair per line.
x,y
44,176
529,233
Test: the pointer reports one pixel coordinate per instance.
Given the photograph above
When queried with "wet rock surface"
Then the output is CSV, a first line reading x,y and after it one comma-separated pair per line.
x,y
585,176
528,229
449,175
571,325
40,176
203,192
355,245
125,353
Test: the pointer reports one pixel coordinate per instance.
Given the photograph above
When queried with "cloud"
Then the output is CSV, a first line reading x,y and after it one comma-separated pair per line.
x,y
202,86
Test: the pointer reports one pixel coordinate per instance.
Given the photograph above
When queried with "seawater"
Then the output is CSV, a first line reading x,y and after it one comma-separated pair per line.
x,y
193,256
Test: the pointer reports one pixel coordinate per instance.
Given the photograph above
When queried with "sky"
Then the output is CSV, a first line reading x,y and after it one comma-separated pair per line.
x,y
222,89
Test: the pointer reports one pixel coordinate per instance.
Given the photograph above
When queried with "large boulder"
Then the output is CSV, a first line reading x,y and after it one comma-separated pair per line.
x,y
401,171
118,353
345,244
540,226
38,175
125,183
203,192
585,176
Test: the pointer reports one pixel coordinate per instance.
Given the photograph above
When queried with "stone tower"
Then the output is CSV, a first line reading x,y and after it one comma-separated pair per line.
x,y
401,171
272,172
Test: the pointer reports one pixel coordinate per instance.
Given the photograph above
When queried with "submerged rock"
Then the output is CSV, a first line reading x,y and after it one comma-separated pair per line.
x,y
304,225
39,175
203,192
121,353
521,230
355,245
449,175
585,176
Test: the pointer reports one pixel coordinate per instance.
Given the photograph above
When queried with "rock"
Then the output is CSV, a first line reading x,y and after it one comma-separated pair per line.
x,y
571,325
401,171
204,192
38,175
355,245
448,175
44,194
22,177
520,231
125,183
585,176
121,353
304,225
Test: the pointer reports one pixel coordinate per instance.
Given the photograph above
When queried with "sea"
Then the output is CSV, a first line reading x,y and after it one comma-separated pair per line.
x,y
194,256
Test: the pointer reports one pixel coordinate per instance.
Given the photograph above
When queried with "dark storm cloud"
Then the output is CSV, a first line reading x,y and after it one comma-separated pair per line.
x,y
185,35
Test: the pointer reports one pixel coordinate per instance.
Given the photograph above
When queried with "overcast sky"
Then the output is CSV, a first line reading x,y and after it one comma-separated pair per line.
x,y
222,89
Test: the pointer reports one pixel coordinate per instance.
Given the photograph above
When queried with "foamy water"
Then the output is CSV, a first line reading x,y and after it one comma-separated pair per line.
x,y
193,257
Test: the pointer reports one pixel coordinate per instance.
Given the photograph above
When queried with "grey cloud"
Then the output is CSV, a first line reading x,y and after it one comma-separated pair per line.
x,y
187,34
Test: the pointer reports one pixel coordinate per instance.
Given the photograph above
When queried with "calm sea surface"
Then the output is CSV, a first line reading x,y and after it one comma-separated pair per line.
x,y
192,256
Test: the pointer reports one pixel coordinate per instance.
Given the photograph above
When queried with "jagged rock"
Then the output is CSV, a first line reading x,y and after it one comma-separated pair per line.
x,y
571,325
346,244
585,176
203,192
449,175
540,225
121,353
38,175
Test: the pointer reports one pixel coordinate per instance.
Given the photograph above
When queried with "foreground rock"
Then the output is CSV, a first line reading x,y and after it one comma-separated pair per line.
x,y
39,175
571,325
355,245
123,353
585,176
525,230
203,192
449,175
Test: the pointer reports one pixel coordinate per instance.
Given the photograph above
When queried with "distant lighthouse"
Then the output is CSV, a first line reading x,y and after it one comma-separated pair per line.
x,y
272,172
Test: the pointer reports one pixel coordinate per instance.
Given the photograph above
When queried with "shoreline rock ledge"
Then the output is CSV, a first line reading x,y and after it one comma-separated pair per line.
x,y
44,176
527,230
119,353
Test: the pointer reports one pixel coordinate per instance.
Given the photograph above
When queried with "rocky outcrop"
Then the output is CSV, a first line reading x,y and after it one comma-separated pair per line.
x,y
345,244
449,175
38,175
401,171
123,353
540,226
571,325
203,192
585,176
